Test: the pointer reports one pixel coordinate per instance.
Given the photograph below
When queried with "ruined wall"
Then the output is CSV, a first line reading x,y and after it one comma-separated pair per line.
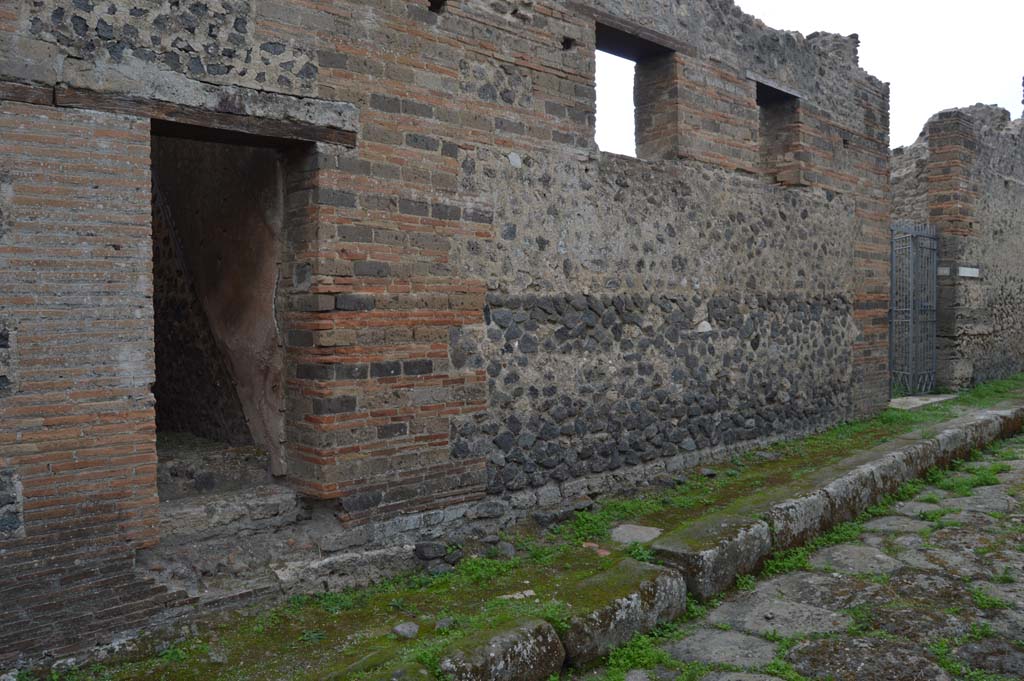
x,y
225,203
991,333
966,174
485,317
910,183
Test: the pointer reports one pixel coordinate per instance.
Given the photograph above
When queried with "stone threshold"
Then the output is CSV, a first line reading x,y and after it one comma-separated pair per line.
x,y
704,558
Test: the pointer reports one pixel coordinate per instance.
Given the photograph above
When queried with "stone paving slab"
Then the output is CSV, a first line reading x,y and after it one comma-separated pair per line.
x,y
914,509
628,534
713,550
984,500
917,401
759,614
860,659
895,524
824,590
855,559
1000,657
715,646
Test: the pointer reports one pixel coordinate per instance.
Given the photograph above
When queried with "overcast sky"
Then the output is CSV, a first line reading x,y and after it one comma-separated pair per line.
x,y
936,54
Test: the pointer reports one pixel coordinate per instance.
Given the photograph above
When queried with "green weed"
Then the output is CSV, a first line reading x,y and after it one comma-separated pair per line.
x,y
312,636
943,651
641,652
746,583
985,601
639,552
1005,577
798,558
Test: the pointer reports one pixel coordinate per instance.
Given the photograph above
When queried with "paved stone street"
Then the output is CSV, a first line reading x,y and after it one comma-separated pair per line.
x,y
933,591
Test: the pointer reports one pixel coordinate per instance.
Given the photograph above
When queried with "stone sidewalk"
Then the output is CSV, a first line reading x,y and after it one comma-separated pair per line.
x,y
933,591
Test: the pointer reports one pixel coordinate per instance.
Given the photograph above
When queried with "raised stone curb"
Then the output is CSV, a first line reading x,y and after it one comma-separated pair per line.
x,y
530,652
659,596
713,551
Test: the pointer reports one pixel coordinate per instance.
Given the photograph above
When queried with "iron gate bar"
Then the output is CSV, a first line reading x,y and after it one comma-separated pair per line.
x,y
913,308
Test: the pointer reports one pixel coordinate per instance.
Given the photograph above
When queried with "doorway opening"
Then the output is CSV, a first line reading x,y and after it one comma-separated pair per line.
x,y
218,226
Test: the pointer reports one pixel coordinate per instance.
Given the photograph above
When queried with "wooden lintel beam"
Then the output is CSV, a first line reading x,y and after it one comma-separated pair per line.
x,y
29,94
66,96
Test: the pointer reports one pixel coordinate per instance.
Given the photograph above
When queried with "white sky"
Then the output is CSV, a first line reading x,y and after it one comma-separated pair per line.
x,y
936,54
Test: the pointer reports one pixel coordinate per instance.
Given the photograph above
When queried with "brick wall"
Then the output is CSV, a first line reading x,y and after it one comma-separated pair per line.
x,y
75,289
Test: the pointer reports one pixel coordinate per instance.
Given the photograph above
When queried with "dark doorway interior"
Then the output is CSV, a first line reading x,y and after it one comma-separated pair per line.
x,y
218,215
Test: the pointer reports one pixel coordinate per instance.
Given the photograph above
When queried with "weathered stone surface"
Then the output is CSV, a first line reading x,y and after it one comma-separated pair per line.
x,y
855,559
644,597
996,656
824,590
739,676
796,520
230,513
714,550
531,651
430,550
627,534
914,509
344,570
11,520
762,615
982,500
637,675
854,492
406,630
895,525
714,646
864,660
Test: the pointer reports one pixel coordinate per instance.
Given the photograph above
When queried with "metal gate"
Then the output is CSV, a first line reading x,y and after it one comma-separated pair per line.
x,y
912,316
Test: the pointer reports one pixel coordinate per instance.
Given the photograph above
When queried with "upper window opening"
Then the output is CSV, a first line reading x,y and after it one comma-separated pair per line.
x,y
616,111
438,6
779,131
630,83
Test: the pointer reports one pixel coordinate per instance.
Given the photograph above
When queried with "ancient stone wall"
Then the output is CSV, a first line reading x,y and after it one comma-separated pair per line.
x,y
722,315
484,316
965,175
992,331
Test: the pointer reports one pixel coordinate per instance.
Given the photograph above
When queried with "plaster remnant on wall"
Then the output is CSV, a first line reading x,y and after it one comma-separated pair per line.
x,y
12,525
6,203
7,382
